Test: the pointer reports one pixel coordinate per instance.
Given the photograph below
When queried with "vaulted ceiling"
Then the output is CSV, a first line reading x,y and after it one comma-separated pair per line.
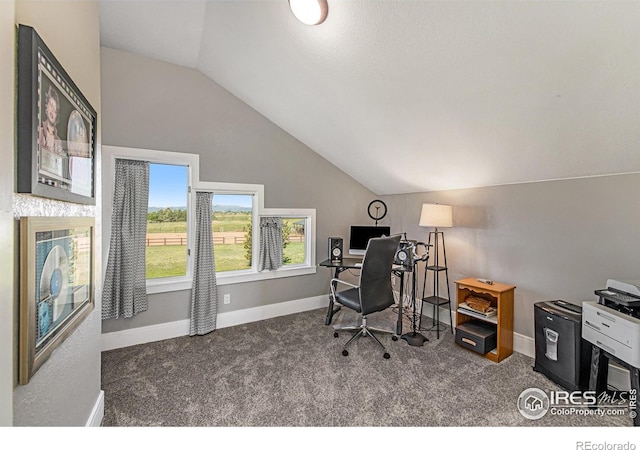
x,y
410,96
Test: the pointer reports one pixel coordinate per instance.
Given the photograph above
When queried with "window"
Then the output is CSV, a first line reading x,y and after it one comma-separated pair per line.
x,y
236,210
170,214
232,231
166,251
293,241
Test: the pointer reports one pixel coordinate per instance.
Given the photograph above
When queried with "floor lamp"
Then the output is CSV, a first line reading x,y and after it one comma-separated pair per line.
x,y
436,216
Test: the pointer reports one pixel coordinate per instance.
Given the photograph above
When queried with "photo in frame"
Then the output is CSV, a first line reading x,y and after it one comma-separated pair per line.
x,y
56,284
56,127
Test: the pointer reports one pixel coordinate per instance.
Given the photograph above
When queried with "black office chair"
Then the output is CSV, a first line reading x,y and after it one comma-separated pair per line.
x,y
374,293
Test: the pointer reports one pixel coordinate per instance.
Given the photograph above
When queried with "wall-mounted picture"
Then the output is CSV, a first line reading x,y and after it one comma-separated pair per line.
x,y
56,284
56,127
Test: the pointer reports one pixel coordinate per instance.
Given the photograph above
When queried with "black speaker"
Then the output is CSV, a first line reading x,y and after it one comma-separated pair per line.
x,y
404,253
335,248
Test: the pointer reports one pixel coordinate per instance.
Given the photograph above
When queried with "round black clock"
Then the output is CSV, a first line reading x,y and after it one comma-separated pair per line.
x,y
377,209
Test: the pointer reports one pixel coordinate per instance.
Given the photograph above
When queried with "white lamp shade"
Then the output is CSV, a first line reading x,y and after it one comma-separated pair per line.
x,y
309,12
435,215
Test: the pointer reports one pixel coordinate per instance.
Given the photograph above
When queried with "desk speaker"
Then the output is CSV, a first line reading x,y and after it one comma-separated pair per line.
x,y
335,248
404,253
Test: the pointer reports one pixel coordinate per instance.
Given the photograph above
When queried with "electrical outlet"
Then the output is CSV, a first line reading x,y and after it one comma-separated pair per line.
x,y
227,299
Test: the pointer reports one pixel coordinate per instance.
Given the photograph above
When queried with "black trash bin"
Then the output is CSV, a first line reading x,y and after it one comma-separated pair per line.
x,y
561,353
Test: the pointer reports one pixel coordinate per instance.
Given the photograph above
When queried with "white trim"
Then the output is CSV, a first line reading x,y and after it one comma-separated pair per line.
x,y
524,344
225,278
158,285
257,192
239,317
618,376
152,333
309,232
233,188
192,161
521,343
258,210
144,335
97,414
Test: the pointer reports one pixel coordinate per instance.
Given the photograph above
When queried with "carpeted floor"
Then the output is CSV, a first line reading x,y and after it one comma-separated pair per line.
x,y
289,371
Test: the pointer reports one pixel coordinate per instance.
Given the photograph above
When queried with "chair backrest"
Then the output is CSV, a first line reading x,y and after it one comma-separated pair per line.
x,y
376,291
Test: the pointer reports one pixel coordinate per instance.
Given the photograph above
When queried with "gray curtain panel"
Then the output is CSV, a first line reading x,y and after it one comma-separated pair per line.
x,y
204,294
271,244
125,283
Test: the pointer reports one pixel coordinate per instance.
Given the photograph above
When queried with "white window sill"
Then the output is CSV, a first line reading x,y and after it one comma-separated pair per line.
x,y
232,278
168,285
158,287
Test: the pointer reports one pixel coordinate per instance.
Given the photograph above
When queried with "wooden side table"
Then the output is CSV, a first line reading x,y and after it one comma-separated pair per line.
x,y
501,297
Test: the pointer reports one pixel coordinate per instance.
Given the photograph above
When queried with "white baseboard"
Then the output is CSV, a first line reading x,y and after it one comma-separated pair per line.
x,y
152,333
97,414
143,335
524,344
521,343
618,376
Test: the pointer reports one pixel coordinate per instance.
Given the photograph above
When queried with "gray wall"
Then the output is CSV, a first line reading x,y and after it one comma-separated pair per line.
x,y
7,83
155,105
65,390
552,240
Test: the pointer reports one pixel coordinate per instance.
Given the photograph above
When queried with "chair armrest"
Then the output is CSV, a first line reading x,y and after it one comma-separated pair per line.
x,y
333,286
337,280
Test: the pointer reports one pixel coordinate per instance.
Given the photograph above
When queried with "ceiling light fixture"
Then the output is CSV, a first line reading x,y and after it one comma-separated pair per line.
x,y
309,12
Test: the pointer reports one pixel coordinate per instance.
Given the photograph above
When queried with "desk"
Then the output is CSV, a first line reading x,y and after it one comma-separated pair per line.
x,y
353,263
598,378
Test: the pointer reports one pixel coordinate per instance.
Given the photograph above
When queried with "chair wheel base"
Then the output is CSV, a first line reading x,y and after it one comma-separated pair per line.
x,y
335,334
386,355
345,353
394,338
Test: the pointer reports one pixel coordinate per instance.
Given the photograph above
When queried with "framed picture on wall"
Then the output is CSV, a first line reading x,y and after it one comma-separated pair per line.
x,y
56,127
56,284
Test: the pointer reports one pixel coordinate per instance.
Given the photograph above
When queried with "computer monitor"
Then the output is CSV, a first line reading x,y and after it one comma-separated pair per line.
x,y
360,235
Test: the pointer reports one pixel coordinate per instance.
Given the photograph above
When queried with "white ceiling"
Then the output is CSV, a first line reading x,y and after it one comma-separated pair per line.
x,y
410,96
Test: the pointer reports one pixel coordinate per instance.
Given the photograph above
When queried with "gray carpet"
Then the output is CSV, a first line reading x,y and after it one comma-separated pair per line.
x,y
289,371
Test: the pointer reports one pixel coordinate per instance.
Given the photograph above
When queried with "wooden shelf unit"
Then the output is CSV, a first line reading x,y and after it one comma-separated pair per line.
x,y
501,296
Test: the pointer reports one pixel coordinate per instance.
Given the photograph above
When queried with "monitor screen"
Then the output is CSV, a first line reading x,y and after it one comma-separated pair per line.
x,y
360,235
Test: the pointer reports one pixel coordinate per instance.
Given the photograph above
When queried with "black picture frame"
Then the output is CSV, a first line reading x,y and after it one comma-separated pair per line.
x,y
56,140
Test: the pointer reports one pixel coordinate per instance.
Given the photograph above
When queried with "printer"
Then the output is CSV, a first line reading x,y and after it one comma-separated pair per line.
x,y
613,322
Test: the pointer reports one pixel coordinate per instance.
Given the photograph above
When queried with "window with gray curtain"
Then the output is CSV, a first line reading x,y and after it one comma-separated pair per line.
x,y
125,284
204,294
270,243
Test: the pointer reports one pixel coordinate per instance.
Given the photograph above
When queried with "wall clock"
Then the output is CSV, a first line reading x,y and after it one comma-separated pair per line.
x,y
377,209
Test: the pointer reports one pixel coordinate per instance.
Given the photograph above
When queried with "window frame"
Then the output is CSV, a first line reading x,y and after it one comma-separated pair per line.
x,y
258,210
309,232
191,161
169,284
257,191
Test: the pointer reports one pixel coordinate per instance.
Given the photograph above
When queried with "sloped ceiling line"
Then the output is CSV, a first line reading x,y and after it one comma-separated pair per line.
x,y
410,96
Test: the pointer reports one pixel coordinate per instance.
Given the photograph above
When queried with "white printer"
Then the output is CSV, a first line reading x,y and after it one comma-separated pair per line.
x,y
613,322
